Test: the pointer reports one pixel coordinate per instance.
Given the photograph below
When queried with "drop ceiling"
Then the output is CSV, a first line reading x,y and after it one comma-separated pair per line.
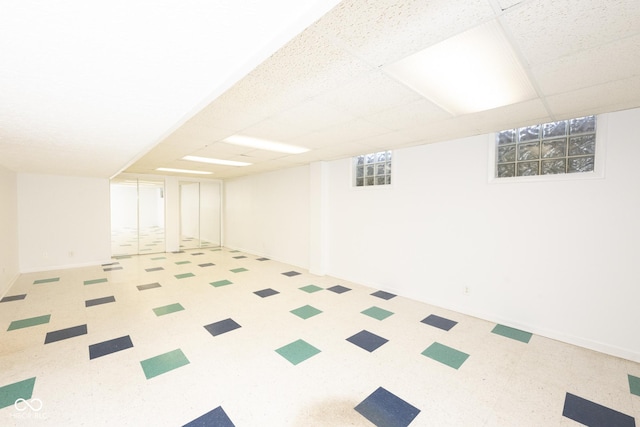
x,y
140,85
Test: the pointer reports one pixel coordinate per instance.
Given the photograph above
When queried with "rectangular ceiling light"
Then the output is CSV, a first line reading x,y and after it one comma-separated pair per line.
x,y
264,144
183,171
473,71
215,161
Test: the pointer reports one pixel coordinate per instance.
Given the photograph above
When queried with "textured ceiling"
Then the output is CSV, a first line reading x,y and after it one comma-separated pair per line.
x,y
86,87
325,89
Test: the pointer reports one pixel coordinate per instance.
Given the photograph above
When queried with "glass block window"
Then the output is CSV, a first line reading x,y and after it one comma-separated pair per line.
x,y
566,146
372,169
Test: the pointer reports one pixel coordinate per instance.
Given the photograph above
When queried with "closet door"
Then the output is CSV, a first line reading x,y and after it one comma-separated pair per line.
x,y
124,217
189,215
151,216
137,216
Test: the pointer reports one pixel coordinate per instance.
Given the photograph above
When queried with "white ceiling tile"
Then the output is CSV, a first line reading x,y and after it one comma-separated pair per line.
x,y
370,94
617,60
408,115
621,94
313,115
347,132
383,31
545,30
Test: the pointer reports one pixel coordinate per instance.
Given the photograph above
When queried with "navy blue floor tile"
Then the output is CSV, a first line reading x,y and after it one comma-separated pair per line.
x,y
266,292
263,259
197,253
98,301
594,415
110,264
221,327
439,322
367,340
208,264
63,334
339,289
214,418
385,409
239,257
291,273
154,269
13,298
148,286
107,347
383,295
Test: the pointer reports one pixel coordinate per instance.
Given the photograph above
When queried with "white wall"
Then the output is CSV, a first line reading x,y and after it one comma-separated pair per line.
x,y
210,198
268,214
124,206
63,221
190,209
9,264
555,258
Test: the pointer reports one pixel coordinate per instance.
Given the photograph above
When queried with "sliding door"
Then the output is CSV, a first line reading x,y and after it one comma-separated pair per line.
x,y
200,215
137,216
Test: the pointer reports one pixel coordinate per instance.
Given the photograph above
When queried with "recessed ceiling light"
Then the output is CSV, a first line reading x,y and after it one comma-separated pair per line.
x,y
264,144
215,161
473,71
183,171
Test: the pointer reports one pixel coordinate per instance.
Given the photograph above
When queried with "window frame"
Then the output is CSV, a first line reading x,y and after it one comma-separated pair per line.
x,y
353,173
599,159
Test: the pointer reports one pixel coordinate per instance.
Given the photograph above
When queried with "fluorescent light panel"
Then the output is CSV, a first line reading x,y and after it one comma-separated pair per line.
x,y
264,144
183,171
215,161
474,71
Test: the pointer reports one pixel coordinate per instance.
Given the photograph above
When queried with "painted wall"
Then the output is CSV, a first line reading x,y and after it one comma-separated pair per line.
x,y
190,209
9,264
63,221
556,258
268,214
210,197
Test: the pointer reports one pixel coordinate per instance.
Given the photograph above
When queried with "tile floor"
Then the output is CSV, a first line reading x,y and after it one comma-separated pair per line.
x,y
223,338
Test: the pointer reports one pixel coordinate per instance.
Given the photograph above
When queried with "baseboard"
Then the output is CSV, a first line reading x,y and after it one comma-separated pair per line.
x,y
589,344
65,266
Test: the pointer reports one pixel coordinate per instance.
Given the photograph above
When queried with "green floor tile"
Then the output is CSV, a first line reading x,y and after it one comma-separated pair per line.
x,y
183,262
216,250
239,270
377,313
171,308
634,385
306,311
32,321
157,258
53,279
221,283
184,275
311,288
512,333
122,256
94,281
298,351
447,355
12,392
166,362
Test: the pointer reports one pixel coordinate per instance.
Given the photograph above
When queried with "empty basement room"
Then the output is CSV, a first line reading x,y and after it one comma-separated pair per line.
x,y
325,213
